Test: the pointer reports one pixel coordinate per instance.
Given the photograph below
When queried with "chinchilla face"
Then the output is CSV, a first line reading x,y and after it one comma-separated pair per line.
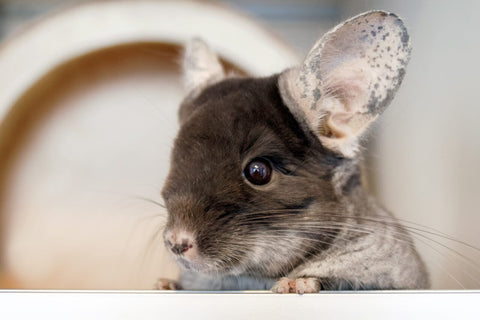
x,y
262,169
243,175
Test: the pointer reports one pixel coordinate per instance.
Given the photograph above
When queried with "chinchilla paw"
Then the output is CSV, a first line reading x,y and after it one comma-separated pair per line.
x,y
299,285
165,284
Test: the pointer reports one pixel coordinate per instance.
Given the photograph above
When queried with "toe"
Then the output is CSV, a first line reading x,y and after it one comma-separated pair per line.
x,y
165,284
282,286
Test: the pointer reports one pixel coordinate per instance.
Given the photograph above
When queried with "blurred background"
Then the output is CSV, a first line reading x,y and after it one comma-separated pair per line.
x,y
80,175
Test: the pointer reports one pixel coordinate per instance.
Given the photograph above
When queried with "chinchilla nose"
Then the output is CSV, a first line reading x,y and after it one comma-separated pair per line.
x,y
179,242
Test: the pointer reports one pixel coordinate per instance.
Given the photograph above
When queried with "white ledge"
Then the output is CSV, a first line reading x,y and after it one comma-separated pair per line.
x,y
20,304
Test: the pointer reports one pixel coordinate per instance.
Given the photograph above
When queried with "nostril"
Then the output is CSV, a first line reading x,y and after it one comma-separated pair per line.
x,y
179,241
181,248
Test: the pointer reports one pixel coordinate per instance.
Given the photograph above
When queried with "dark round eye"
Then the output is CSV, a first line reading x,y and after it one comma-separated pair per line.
x,y
258,171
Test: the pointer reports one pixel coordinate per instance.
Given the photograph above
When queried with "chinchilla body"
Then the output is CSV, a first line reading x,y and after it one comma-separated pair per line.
x,y
265,188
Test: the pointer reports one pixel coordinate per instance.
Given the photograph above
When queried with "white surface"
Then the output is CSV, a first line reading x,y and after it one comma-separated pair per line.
x,y
249,305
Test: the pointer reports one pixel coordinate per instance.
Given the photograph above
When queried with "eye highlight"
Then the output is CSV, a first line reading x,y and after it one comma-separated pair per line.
x,y
258,171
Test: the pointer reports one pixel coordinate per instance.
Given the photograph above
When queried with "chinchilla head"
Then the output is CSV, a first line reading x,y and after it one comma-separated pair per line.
x,y
259,161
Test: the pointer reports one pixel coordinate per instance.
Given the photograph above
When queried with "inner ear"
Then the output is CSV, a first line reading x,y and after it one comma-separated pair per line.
x,y
348,78
201,66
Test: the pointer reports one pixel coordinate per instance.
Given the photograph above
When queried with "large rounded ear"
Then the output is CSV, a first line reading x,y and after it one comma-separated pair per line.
x,y
348,78
201,66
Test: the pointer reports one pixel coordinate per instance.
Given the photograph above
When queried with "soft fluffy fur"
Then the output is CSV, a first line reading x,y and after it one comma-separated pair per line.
x,y
313,223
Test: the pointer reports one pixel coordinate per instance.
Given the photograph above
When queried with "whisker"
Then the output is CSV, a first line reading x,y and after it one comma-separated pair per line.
x,y
440,266
150,201
386,220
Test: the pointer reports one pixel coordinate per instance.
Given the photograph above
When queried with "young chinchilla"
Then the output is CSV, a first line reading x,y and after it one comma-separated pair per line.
x,y
264,190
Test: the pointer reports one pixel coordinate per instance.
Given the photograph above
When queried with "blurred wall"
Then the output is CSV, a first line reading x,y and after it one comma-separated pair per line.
x,y
424,153
299,22
424,163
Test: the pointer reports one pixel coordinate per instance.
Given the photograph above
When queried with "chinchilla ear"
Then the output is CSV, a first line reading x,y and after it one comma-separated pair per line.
x,y
201,66
348,78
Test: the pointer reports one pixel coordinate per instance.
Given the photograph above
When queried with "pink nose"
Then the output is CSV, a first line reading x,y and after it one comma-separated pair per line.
x,y
179,242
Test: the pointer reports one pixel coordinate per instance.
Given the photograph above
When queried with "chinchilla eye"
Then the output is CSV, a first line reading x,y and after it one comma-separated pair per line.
x,y
258,171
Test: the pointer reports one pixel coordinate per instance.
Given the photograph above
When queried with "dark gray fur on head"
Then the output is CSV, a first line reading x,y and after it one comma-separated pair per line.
x,y
313,219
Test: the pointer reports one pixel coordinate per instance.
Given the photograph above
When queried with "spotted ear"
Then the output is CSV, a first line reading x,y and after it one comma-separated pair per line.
x,y
348,78
201,66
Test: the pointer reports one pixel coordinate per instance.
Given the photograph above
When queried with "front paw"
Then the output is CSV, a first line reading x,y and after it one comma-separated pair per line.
x,y
299,285
165,284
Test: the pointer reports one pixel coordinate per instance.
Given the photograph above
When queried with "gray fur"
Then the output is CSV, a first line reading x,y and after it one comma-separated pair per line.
x,y
199,281
313,220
